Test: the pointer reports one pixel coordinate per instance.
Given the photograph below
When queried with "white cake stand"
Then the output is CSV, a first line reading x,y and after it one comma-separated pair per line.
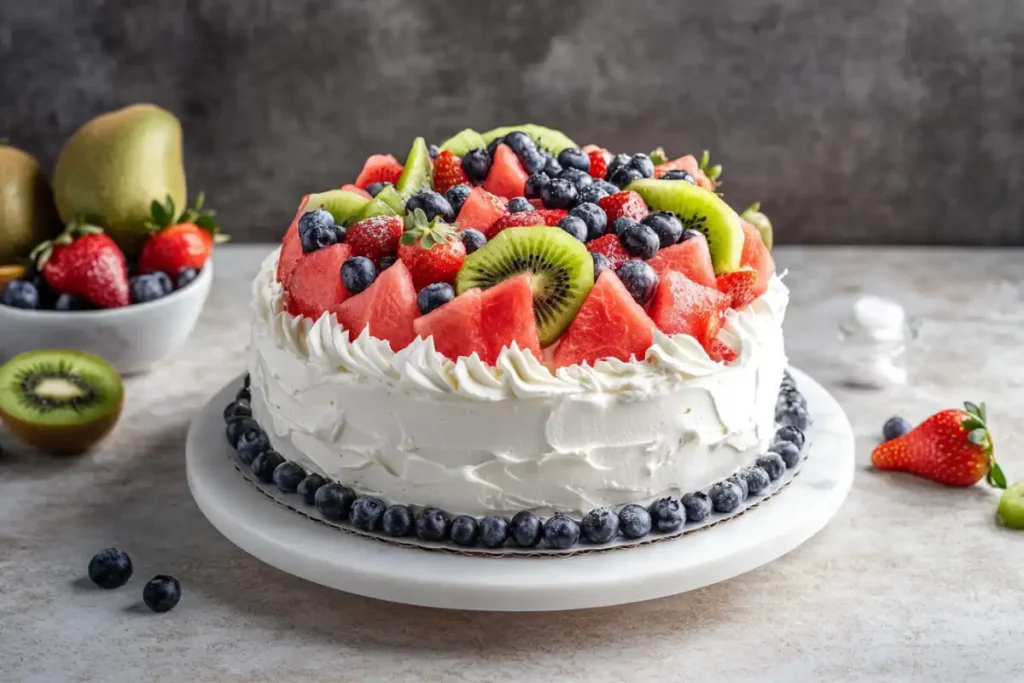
x,y
316,552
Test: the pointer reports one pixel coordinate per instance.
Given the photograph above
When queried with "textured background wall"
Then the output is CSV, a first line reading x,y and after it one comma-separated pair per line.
x,y
898,121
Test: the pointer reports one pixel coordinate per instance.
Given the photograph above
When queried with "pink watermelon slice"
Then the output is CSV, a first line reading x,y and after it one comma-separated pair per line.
x,y
379,168
681,306
291,247
756,255
692,258
314,285
355,189
506,316
480,210
455,326
689,164
609,324
388,307
507,177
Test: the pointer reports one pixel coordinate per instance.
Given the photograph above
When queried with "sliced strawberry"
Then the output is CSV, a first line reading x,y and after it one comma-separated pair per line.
x,y
620,204
448,172
375,237
552,216
291,247
611,247
314,286
514,220
681,306
480,210
379,168
355,189
739,287
720,352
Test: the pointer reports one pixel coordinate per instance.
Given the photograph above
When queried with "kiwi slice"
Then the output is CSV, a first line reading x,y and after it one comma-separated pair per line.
x,y
416,174
550,140
701,210
563,272
464,141
387,203
1011,507
61,402
342,204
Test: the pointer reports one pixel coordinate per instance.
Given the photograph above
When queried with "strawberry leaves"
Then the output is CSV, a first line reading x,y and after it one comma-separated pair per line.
x,y
712,172
164,215
42,252
427,233
977,433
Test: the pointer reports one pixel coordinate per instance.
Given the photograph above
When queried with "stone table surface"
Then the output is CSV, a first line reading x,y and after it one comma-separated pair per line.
x,y
910,581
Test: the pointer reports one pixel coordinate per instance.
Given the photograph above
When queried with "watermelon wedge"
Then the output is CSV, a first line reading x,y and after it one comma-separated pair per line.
x,y
681,306
739,286
757,256
689,164
609,324
314,285
388,307
692,258
356,190
480,211
507,177
291,247
379,168
506,316
455,326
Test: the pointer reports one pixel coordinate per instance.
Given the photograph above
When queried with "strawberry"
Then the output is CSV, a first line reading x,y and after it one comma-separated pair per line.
x,y
432,251
448,172
739,285
952,447
86,263
375,237
514,220
379,168
551,216
721,352
611,247
598,164
627,203
179,242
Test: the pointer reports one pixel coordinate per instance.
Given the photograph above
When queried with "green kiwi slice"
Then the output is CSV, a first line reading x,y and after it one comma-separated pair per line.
x,y
550,140
342,204
387,203
463,142
61,402
1011,507
416,174
698,209
563,272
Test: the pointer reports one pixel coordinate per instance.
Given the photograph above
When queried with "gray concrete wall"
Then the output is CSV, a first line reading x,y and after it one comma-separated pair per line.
x,y
854,121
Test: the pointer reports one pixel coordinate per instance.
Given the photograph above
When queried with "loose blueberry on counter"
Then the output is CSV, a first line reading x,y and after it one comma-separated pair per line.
x,y
621,224
634,521
697,506
594,216
789,453
534,185
640,241
432,204
592,194
237,426
519,205
558,194
317,238
679,175
573,157
433,151
894,428
725,496
251,443
600,525
145,288
334,501
601,264
575,226
245,393
773,464
21,294
618,161
520,142
70,302
432,524
580,179
477,164
791,434
185,277
318,218
472,239
561,532
665,225
493,531
527,529
465,530
740,482
552,167
385,262
373,189
110,568
287,476
397,521
358,273
308,487
639,279
493,145
757,479
434,296
624,175
162,593
367,512
238,408
456,196
667,514
264,464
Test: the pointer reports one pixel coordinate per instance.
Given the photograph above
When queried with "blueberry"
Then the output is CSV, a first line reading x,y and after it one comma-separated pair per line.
x,y
606,186
519,205
894,428
161,593
432,524
601,264
317,238
237,426
789,453
534,161
456,196
70,302
789,398
640,241
358,273
385,262
573,157
287,476
737,478
757,479
788,380
318,218
465,530
621,224
238,408
110,568
520,142
334,501
493,146
184,277
247,380
667,514
21,294
600,525
433,151
773,464
679,175
164,280
373,189
245,393
640,280
527,529
634,521
552,167
473,239
665,225
618,161
367,512
251,443
432,204
434,296
561,532
642,164
594,216
308,487
791,434
575,226
725,496
397,521
797,417
534,185
264,464
697,506
580,179
592,194
477,164
689,234
558,194
145,288
493,531
624,175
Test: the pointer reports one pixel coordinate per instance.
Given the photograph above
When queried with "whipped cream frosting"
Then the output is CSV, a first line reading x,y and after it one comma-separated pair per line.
x,y
417,428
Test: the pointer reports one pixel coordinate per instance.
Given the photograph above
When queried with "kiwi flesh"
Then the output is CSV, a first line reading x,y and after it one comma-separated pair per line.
x,y
550,140
464,141
342,204
61,402
698,209
1011,507
563,272
388,202
416,173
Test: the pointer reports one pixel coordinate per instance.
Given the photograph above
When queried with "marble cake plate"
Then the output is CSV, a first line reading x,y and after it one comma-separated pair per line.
x,y
348,562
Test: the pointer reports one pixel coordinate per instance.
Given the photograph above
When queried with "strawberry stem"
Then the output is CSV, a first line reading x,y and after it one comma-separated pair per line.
x,y
978,434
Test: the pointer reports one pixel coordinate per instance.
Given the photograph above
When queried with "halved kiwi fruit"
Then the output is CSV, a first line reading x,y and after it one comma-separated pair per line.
x,y
61,402
416,173
563,272
464,141
343,205
698,209
550,140
387,203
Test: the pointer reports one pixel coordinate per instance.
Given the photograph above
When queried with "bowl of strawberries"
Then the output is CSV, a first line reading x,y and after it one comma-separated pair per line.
x,y
81,292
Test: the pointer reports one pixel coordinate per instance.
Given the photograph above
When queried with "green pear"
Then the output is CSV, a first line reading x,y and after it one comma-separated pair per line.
x,y
27,214
113,167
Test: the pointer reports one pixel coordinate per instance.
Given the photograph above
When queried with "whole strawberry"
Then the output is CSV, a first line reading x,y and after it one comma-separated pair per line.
x,y
375,237
85,263
448,172
620,204
432,252
952,447
179,242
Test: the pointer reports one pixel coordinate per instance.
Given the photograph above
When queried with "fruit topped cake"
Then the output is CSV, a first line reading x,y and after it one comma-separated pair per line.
x,y
514,325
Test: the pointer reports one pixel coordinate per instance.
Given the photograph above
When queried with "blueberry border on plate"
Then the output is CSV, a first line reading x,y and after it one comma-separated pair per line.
x,y
525,534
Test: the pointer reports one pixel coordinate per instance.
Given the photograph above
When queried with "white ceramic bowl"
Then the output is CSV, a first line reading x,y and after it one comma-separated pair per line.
x,y
132,339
